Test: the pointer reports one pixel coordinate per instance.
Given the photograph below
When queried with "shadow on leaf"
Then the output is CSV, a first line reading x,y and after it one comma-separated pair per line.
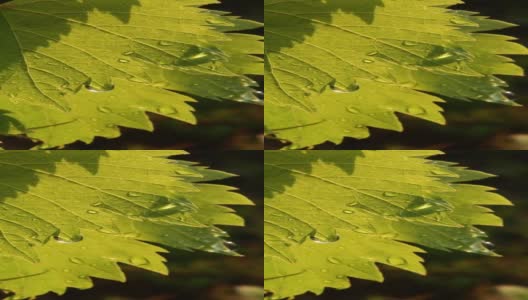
x,y
288,23
20,170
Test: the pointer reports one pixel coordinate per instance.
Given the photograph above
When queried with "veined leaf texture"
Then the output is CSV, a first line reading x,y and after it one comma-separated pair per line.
x,y
67,217
331,215
335,68
78,77
73,70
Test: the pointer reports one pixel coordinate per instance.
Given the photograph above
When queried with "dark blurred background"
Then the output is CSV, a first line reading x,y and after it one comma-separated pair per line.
x,y
200,275
470,125
461,276
221,124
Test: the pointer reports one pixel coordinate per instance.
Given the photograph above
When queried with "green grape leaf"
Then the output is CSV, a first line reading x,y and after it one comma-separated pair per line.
x,y
335,68
331,215
70,201
98,114
61,59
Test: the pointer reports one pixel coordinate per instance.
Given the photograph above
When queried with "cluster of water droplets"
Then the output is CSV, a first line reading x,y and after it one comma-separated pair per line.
x,y
473,241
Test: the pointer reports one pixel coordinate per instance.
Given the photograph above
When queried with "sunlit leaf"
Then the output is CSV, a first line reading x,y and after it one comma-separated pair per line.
x,y
334,68
331,215
69,216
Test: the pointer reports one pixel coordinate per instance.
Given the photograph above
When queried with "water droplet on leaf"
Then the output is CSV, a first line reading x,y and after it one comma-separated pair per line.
x,y
396,261
104,109
139,261
76,260
415,110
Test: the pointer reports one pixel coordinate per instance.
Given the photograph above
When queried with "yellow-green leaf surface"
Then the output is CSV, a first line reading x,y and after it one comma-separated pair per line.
x,y
60,60
331,215
100,208
334,68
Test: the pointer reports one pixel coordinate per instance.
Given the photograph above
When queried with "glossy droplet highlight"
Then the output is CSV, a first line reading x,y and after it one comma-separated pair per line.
x,y
426,206
440,172
165,43
409,43
415,110
396,261
104,109
96,88
166,110
352,110
333,260
139,261
76,260
324,239
339,88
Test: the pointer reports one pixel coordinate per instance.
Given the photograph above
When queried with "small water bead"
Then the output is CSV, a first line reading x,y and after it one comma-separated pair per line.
x,y
168,206
122,60
442,56
509,94
339,88
107,231
352,204
488,245
409,43
373,53
396,261
333,260
95,88
389,235
324,239
76,260
351,109
218,22
104,109
139,261
440,172
165,43
425,206
68,240
364,230
199,55
166,110
458,21
91,212
368,61
348,212
415,110
133,194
